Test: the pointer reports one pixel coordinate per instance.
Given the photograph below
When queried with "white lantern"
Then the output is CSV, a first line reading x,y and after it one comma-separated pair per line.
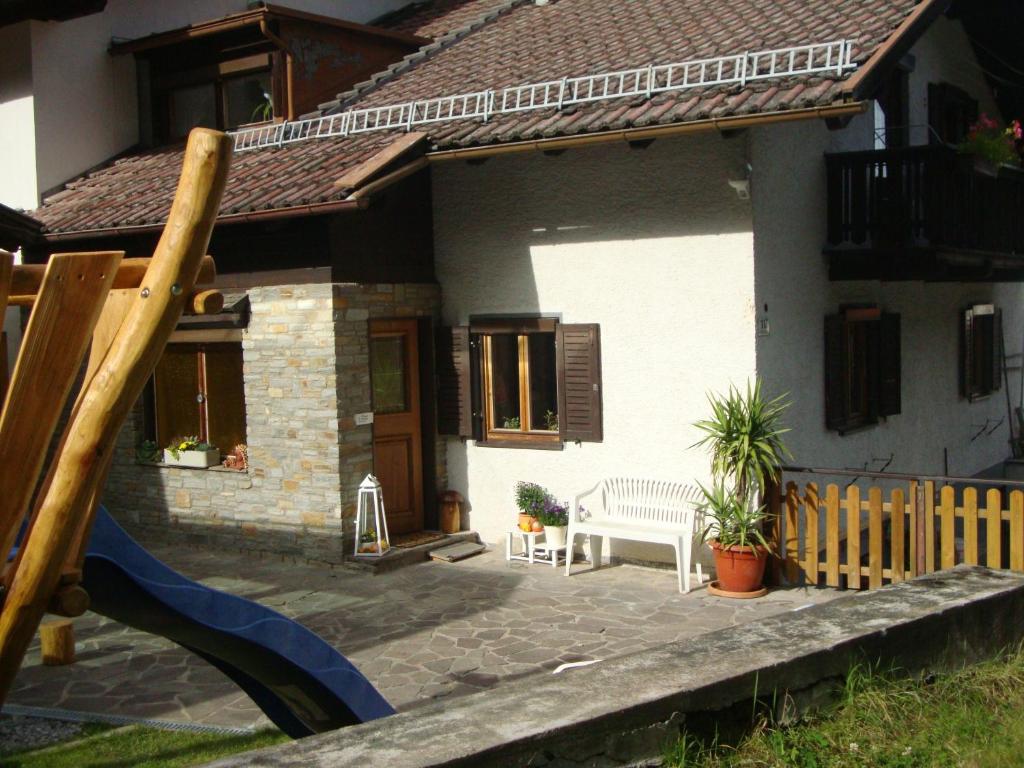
x,y
371,526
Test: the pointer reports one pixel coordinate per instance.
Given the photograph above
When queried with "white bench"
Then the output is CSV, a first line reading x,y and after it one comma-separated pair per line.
x,y
655,511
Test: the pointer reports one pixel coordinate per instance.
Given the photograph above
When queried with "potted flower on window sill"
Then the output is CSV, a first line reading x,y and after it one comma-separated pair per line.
x,y
555,519
530,499
744,436
191,452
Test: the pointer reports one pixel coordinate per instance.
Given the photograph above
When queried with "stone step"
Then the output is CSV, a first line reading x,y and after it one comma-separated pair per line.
x,y
400,557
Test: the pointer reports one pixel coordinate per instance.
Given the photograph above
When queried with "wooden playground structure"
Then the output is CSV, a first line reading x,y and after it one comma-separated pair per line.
x,y
122,312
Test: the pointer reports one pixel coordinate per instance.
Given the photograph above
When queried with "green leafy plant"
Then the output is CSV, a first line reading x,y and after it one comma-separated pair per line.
x,y
734,521
530,498
188,443
148,452
744,436
263,111
510,422
550,421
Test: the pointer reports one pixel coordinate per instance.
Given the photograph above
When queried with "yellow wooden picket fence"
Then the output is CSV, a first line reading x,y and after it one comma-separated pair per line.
x,y
900,533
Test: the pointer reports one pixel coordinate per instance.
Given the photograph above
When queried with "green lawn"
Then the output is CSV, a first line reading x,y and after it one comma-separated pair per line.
x,y
100,747
972,718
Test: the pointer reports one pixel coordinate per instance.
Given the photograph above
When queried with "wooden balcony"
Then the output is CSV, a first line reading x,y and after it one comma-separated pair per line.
x,y
923,213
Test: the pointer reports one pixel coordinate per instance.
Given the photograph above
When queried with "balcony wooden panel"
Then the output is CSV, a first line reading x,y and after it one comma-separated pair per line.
x,y
923,213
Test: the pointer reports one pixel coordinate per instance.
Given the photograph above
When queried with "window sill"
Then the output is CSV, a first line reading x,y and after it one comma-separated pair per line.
x,y
538,445
214,468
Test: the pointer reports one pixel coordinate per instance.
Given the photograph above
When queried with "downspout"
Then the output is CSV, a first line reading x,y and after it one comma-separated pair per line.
x,y
289,65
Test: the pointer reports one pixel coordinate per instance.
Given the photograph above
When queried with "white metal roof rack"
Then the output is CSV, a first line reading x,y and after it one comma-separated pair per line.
x,y
833,57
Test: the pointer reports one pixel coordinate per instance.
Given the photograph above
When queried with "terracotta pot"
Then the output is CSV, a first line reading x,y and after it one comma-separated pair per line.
x,y
526,522
740,569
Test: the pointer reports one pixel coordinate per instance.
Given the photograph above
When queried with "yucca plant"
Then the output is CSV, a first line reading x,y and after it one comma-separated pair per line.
x,y
732,520
744,436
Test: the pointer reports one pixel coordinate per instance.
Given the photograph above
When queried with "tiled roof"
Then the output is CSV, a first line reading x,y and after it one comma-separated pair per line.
x,y
137,190
502,43
435,18
530,43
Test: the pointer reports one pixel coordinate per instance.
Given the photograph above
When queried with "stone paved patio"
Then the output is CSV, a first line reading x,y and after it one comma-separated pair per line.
x,y
426,631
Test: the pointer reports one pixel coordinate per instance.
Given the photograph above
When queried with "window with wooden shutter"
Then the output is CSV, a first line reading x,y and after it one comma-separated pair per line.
x,y
579,359
454,398
862,367
980,351
524,382
951,111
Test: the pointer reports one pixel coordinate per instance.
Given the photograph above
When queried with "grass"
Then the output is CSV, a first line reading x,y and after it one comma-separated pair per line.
x,y
973,718
100,747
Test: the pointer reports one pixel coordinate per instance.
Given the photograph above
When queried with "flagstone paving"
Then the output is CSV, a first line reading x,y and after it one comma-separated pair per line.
x,y
424,632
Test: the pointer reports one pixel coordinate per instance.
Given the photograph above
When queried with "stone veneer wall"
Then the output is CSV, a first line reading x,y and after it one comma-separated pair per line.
x,y
306,375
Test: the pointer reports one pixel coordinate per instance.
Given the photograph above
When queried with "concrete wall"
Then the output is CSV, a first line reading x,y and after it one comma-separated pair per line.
x,y
794,294
306,373
652,245
17,122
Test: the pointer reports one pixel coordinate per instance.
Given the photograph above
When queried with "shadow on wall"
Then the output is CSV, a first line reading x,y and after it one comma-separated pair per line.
x,y
641,240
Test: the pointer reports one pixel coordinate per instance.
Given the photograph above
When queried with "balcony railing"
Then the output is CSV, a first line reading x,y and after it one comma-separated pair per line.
x,y
925,197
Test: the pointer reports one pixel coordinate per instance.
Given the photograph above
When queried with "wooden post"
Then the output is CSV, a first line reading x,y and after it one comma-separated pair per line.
x,y
773,573
1017,531
58,642
113,391
929,527
811,545
897,547
874,537
792,532
971,526
994,528
947,517
853,537
832,535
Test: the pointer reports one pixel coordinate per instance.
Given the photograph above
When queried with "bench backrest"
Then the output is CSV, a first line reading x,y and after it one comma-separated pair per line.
x,y
649,502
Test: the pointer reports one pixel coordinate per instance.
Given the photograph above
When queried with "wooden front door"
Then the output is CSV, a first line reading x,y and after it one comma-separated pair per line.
x,y
397,431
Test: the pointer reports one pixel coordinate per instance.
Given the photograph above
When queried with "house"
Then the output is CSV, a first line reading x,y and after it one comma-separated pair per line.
x,y
529,249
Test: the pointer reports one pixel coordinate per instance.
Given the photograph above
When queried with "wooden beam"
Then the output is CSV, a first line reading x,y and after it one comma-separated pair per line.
x,y
27,278
58,334
112,392
358,175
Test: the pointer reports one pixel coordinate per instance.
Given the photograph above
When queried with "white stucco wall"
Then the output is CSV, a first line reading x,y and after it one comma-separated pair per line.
x,y
67,105
655,247
17,123
789,205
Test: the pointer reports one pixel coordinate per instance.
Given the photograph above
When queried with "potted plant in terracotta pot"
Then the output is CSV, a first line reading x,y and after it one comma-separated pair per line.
x,y
744,437
530,499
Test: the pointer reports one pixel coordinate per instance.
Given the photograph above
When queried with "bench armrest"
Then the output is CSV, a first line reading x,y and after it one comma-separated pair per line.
x,y
574,513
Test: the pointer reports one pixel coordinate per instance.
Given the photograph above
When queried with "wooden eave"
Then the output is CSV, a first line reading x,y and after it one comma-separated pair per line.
x,y
253,18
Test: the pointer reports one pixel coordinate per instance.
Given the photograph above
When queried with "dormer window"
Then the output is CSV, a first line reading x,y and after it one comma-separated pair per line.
x,y
262,64
222,96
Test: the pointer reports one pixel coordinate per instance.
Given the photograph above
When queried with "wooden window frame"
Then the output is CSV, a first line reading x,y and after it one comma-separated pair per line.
x,y
198,348
216,75
526,433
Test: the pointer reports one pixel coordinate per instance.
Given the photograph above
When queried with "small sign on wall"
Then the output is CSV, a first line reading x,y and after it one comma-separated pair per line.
x,y
362,419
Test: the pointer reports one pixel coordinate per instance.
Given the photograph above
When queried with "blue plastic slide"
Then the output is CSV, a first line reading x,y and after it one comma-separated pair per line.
x,y
303,684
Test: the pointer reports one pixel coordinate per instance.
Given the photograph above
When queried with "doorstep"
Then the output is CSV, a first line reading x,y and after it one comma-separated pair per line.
x,y
400,557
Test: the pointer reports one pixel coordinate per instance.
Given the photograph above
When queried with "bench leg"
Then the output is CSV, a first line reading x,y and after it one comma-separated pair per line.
x,y
682,547
570,542
596,544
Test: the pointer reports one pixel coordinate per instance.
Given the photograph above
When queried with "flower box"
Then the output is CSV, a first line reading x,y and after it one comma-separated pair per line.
x,y
195,459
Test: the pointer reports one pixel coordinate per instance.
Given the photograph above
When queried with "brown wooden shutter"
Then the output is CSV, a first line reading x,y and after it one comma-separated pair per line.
x,y
889,360
997,350
454,392
835,368
579,382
